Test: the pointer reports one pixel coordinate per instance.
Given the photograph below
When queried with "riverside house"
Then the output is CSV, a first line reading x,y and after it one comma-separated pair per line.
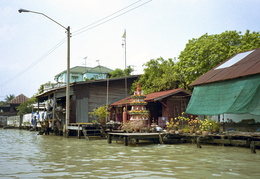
x,y
85,96
162,106
230,92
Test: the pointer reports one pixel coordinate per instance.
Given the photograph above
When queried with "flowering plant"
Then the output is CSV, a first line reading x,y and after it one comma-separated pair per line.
x,y
206,125
138,96
172,124
194,124
144,112
133,125
138,103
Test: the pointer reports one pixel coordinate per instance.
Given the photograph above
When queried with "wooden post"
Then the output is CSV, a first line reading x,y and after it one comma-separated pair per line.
x,y
109,138
160,138
85,134
79,131
198,143
252,147
125,140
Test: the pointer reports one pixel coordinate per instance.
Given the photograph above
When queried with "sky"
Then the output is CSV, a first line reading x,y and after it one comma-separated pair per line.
x,y
33,49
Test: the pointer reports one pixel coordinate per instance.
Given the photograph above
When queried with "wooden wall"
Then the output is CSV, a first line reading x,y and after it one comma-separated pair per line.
x,y
96,96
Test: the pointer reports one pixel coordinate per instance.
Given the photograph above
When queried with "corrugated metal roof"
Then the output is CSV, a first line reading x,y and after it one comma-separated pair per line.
x,y
153,96
249,65
19,99
134,77
82,69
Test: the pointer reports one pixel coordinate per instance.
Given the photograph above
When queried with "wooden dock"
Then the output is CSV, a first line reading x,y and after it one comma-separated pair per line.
x,y
91,129
133,138
242,139
245,139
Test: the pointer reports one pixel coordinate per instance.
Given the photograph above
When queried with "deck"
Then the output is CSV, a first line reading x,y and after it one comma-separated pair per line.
x,y
90,129
130,138
243,139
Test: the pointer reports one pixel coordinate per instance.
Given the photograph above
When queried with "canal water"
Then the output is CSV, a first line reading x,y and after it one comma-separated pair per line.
x,y
24,154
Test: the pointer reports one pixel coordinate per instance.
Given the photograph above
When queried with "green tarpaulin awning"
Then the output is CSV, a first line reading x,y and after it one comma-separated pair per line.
x,y
236,96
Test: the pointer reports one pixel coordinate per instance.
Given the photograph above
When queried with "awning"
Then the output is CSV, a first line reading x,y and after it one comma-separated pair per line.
x,y
237,96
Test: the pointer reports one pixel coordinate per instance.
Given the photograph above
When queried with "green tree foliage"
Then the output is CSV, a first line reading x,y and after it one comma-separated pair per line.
x,y
41,89
100,114
158,75
9,97
121,73
202,54
199,56
27,106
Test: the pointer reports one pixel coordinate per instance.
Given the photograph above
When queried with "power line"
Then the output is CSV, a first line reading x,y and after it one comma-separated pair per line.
x,y
77,32
34,63
91,26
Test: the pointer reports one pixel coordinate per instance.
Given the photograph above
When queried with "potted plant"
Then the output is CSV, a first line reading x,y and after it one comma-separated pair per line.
x,y
194,125
100,114
206,126
215,127
172,126
133,126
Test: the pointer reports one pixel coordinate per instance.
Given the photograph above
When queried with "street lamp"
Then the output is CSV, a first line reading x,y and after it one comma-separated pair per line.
x,y
68,68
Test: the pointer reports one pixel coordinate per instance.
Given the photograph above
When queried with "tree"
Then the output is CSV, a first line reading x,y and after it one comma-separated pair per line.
x,y
202,54
117,73
9,97
121,73
27,106
158,75
128,70
41,89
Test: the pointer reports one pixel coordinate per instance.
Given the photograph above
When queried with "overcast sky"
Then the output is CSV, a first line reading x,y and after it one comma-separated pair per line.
x,y
31,52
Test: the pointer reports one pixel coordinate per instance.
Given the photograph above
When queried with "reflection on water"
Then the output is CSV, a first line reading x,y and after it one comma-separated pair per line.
x,y
25,154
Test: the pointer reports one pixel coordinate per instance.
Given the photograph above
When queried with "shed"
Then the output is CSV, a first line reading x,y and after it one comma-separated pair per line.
x,y
162,105
232,87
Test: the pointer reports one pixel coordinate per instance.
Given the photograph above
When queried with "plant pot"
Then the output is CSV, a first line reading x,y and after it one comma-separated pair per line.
x,y
136,130
205,133
198,132
180,131
172,131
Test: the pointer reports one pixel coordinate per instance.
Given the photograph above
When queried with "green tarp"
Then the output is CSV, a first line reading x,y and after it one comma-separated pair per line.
x,y
236,96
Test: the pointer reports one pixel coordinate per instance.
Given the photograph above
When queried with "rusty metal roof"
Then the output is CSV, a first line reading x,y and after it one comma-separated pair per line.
x,y
249,64
153,96
19,99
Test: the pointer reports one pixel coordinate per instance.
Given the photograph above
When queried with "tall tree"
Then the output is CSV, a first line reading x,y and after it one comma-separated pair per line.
x,y
121,73
158,75
202,54
9,97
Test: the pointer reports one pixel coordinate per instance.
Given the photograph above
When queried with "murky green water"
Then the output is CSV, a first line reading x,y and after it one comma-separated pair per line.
x,y
25,154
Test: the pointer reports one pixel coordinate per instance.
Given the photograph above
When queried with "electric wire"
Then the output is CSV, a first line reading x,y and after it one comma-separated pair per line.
x,y
77,32
34,63
103,20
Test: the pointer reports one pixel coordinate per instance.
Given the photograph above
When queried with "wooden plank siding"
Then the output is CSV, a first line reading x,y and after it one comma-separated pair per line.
x,y
96,96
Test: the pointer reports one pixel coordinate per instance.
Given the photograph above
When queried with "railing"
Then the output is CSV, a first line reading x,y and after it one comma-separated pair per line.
x,y
49,87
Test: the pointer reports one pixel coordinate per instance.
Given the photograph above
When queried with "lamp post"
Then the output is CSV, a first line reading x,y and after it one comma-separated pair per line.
x,y
68,68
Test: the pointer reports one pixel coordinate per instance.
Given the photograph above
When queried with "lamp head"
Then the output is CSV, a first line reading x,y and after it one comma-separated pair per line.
x,y
23,10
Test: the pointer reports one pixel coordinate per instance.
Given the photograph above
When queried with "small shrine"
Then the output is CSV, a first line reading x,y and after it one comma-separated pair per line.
x,y
138,110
